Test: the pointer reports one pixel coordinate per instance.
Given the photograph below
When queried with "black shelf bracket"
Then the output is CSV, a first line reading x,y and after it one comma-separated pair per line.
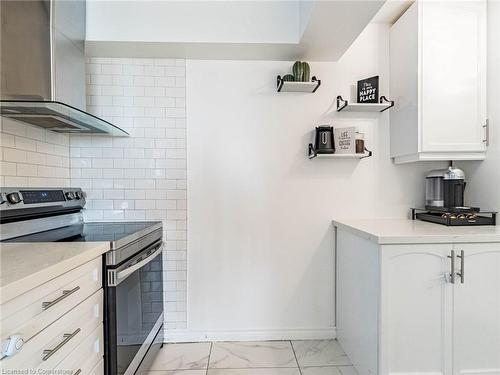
x,y
383,99
370,153
311,151
280,82
341,103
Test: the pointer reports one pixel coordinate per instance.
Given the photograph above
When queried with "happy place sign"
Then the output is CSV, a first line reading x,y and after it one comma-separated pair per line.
x,y
368,90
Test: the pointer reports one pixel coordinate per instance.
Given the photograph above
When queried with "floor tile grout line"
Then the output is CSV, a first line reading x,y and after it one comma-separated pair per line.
x,y
295,355
209,355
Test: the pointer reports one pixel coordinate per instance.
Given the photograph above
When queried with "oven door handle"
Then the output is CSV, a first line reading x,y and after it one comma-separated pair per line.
x,y
122,275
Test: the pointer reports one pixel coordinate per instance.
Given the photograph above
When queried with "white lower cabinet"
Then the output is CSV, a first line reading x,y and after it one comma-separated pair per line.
x,y
429,322
416,310
476,311
60,323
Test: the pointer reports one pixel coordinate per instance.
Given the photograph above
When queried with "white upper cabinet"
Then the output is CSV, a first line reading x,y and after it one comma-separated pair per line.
x,y
438,81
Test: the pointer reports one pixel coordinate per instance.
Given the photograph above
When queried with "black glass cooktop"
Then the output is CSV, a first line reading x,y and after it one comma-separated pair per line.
x,y
93,232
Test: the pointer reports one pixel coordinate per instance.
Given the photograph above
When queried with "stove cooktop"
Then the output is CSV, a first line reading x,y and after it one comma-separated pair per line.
x,y
117,233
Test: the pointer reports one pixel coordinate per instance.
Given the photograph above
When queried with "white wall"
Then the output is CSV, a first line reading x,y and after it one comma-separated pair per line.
x,y
483,178
261,252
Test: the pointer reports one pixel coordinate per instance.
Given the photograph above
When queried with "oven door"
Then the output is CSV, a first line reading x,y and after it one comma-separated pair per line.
x,y
134,309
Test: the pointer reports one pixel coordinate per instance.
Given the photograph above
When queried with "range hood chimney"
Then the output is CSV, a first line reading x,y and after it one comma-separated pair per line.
x,y
42,66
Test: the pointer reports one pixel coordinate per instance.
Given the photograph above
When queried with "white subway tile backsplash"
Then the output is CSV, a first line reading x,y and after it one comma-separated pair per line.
x,y
143,81
102,163
35,133
113,215
145,204
123,101
166,81
144,183
141,177
114,69
102,204
134,173
15,156
101,141
135,194
144,163
14,127
22,143
15,181
123,80
91,173
7,140
8,169
28,170
133,70
96,79
123,204
114,194
135,214
81,163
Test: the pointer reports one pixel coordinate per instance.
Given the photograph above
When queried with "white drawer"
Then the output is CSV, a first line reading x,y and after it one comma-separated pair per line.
x,y
31,312
60,338
85,356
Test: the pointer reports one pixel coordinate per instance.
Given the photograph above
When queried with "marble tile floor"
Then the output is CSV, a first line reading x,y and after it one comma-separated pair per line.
x,y
305,357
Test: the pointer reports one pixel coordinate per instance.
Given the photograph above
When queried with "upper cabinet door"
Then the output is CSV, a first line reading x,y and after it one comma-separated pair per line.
x,y
476,314
438,81
453,71
416,309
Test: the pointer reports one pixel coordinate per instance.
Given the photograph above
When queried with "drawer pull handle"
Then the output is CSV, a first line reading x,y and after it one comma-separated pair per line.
x,y
65,293
77,372
67,336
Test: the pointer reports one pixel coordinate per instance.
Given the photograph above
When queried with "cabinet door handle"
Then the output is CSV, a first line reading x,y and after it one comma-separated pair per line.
x,y
65,293
462,266
486,127
67,336
452,273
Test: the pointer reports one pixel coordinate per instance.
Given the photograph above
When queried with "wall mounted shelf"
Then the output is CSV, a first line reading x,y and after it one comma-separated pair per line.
x,y
312,154
291,86
383,105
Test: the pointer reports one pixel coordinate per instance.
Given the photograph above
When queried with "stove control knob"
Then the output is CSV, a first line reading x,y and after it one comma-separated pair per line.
x,y
14,198
70,195
79,194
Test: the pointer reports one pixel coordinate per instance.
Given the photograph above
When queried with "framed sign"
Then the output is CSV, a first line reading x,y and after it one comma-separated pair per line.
x,y
368,90
345,140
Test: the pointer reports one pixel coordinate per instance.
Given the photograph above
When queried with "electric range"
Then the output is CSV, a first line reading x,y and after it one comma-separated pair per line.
x,y
133,316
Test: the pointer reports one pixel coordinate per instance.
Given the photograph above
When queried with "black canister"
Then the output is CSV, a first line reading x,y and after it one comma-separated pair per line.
x,y
454,188
324,140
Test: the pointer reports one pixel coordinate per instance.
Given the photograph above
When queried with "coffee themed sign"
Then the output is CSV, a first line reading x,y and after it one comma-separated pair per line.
x,y
345,140
368,90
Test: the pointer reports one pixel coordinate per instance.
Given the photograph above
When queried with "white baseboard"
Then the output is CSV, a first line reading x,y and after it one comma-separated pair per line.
x,y
251,335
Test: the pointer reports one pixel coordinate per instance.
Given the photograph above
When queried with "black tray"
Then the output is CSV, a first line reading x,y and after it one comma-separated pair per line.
x,y
482,218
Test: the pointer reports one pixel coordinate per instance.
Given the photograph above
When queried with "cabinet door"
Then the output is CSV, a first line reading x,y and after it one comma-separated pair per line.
x,y
476,316
416,309
453,75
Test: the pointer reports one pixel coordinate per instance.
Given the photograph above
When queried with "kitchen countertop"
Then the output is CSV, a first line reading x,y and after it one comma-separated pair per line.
x,y
406,231
24,266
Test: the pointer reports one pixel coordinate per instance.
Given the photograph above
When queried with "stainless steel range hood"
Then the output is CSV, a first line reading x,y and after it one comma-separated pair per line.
x,y
42,66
